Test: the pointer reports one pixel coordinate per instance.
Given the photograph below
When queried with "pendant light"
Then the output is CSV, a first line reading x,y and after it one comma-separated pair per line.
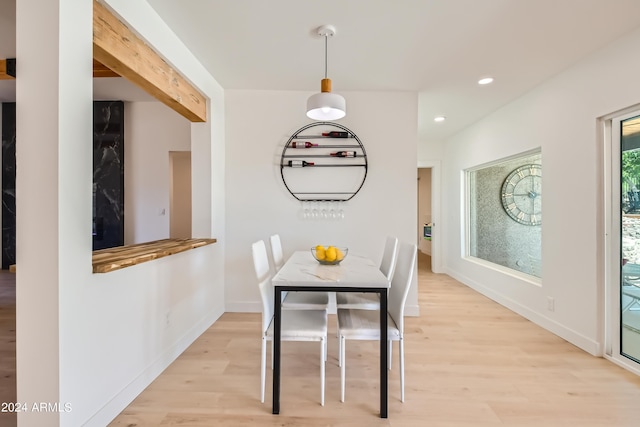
x,y
326,105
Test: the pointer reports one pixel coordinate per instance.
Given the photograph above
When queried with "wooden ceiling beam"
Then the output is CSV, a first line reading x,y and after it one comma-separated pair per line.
x,y
7,69
122,51
101,70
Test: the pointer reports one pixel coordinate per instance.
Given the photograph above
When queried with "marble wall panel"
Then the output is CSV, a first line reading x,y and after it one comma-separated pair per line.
x,y
8,184
108,174
108,177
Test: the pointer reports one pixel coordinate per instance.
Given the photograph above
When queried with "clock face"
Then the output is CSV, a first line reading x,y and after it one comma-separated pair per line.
x,y
522,194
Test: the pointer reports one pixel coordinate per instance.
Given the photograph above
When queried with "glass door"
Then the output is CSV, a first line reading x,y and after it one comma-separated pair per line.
x,y
622,210
629,301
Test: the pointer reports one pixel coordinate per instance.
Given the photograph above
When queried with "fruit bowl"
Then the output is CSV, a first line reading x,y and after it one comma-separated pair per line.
x,y
329,255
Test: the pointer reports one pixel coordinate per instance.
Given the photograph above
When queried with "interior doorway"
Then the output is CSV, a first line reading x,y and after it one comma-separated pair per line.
x,y
180,195
425,217
428,202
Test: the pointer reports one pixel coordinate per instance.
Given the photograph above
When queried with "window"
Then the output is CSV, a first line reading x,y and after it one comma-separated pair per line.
x,y
505,213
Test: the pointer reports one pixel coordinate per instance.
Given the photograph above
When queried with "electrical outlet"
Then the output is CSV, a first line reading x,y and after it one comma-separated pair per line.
x,y
551,304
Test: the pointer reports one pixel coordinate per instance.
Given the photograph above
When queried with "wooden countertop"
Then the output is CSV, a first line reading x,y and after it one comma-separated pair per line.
x,y
110,259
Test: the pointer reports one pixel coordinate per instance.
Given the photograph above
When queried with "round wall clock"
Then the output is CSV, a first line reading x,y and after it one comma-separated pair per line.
x,y
522,194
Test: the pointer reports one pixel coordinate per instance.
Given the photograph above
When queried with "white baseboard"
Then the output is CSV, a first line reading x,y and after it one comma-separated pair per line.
x,y
243,307
120,401
585,343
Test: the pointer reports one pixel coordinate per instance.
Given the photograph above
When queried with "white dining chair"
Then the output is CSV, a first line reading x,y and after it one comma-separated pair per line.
x,y
276,251
365,324
371,301
295,325
296,300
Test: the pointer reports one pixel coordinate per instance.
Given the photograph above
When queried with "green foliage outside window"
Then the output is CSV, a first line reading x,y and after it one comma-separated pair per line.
x,y
630,181
630,170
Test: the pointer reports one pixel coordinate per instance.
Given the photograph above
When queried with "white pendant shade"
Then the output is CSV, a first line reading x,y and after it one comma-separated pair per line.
x,y
326,106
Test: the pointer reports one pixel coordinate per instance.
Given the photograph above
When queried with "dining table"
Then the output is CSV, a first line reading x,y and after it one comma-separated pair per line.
x,y
355,273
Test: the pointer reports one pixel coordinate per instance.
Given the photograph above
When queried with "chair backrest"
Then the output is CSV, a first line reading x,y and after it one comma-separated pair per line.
x,y
260,259
389,257
276,251
261,266
401,282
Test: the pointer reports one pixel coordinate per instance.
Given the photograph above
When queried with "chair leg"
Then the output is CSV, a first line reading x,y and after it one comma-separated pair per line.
x,y
263,368
326,350
323,358
401,355
339,349
342,367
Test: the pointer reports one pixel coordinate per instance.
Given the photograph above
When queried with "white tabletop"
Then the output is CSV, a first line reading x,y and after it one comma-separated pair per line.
x,y
354,271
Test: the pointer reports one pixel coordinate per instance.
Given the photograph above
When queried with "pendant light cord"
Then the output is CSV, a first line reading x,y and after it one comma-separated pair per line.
x,y
326,38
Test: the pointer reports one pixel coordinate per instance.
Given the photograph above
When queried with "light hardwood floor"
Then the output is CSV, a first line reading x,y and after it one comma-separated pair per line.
x,y
7,345
469,362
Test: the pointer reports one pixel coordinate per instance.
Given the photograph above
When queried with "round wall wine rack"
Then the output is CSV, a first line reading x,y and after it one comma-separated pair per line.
x,y
323,161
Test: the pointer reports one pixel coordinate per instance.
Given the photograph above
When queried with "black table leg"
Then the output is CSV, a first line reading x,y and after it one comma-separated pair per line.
x,y
276,348
384,355
384,345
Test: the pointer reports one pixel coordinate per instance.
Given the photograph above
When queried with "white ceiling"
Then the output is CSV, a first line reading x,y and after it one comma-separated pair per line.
x,y
438,48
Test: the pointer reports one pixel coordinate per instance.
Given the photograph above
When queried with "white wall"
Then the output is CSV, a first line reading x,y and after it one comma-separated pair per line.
x,y
259,123
96,341
560,116
151,131
430,151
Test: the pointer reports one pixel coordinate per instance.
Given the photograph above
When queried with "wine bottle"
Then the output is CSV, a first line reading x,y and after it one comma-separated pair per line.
x,y
344,154
300,144
299,163
336,134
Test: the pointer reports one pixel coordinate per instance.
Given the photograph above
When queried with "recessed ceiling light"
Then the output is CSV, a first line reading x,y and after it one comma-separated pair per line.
x,y
439,118
485,81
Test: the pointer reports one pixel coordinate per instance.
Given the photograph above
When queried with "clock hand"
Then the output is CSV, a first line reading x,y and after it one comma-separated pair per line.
x,y
530,194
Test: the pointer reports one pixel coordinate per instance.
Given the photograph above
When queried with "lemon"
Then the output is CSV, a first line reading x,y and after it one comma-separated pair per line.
x,y
330,254
339,255
320,252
